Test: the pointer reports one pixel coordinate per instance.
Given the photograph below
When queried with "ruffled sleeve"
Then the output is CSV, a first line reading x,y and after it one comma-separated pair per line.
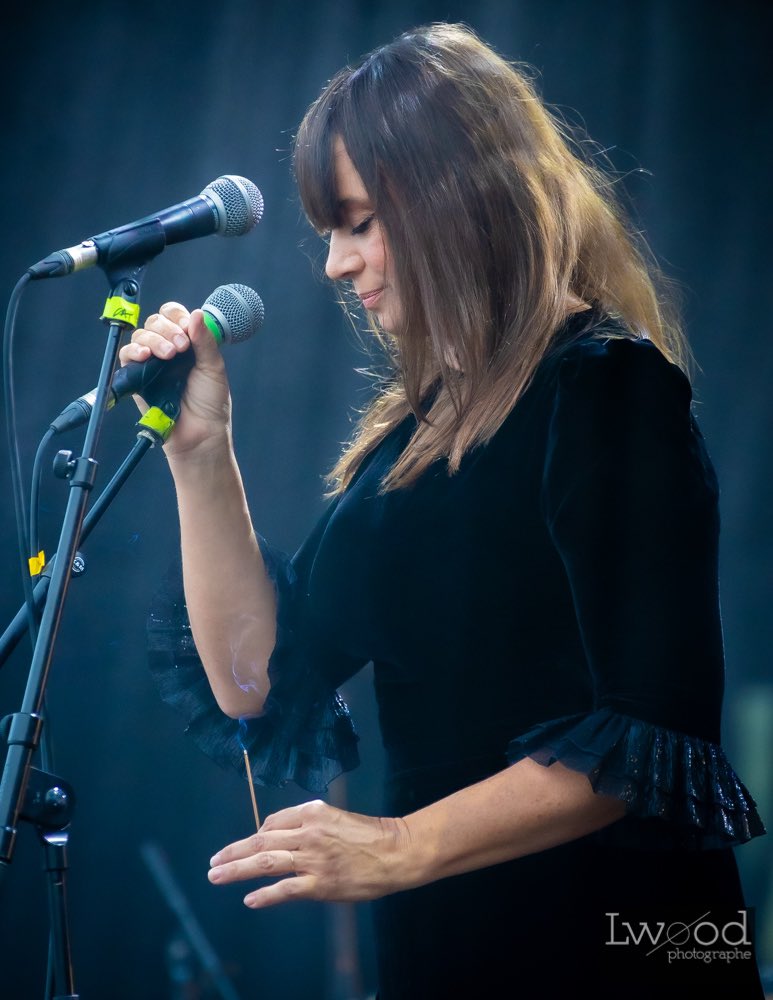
x,y
305,733
630,499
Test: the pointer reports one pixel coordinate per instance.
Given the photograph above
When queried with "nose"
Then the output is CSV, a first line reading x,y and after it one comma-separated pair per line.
x,y
343,258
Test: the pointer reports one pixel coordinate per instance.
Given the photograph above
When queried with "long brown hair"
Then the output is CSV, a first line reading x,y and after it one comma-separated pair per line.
x,y
493,221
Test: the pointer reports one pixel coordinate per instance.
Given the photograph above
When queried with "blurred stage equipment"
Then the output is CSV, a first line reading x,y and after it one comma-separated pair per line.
x,y
181,973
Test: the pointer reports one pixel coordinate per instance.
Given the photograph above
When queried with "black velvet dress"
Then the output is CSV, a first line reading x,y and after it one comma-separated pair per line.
x,y
556,598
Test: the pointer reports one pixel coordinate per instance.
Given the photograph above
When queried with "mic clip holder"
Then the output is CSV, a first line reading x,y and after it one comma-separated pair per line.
x,y
114,252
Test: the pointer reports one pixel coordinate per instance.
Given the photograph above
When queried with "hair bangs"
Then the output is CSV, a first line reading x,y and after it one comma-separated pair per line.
x,y
314,162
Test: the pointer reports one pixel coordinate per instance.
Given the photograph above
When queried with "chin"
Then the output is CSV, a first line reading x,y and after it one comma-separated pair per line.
x,y
388,323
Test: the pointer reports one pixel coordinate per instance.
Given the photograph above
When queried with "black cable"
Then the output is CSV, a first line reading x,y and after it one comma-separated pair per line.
x,y
33,544
26,529
14,460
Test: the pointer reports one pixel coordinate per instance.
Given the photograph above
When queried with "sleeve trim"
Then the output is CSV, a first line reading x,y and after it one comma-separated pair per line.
x,y
684,783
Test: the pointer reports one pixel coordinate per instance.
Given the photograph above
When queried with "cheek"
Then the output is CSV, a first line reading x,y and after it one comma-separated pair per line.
x,y
377,258
378,255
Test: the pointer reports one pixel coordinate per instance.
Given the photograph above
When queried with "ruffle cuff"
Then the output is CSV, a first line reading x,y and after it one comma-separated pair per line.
x,y
305,733
680,790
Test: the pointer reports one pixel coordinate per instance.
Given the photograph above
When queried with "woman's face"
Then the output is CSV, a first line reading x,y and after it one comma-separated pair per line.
x,y
358,250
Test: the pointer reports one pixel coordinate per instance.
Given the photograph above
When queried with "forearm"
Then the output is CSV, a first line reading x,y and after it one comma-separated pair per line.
x,y
338,855
230,599
524,809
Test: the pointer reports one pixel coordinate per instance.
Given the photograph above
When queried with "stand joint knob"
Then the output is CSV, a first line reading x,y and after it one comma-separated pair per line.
x,y
80,471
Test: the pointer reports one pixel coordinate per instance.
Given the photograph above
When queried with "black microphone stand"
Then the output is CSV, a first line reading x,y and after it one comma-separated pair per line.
x,y
146,438
27,794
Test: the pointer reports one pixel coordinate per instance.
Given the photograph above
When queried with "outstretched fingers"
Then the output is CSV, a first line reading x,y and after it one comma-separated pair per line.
x,y
264,840
302,887
265,864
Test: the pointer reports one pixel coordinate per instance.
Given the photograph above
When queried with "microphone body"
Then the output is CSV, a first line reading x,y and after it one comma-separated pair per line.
x,y
230,206
233,313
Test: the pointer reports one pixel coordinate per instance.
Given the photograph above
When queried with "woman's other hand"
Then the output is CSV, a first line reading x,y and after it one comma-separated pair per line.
x,y
319,852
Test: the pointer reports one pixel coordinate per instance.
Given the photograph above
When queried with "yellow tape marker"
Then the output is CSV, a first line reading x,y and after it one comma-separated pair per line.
x,y
156,420
37,563
119,309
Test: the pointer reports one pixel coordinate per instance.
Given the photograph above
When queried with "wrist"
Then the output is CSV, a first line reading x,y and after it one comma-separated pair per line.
x,y
215,450
412,859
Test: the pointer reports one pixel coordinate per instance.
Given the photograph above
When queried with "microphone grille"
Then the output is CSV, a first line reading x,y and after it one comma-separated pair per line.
x,y
238,310
239,204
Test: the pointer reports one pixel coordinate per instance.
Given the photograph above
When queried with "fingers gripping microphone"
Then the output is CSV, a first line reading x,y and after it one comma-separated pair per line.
x,y
230,206
233,313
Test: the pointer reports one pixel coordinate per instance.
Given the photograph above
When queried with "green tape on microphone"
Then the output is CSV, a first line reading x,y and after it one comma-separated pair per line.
x,y
213,326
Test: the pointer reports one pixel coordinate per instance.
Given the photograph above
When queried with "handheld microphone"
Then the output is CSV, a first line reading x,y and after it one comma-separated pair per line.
x,y
233,313
230,206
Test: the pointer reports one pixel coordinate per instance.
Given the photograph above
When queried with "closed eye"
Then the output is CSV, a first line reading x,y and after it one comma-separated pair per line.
x,y
364,226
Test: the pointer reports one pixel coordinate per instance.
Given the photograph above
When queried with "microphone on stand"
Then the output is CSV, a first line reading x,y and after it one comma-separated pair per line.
x,y
233,313
230,206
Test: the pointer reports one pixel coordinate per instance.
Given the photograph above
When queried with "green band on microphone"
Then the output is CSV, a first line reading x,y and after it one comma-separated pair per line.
x,y
213,326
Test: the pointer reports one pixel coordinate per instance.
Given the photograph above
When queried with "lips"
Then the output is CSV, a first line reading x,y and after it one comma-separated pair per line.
x,y
368,299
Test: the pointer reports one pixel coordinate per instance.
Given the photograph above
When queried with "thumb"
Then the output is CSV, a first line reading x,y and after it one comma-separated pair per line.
x,y
205,347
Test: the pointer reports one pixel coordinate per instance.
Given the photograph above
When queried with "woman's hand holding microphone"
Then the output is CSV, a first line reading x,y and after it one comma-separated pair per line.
x,y
204,423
